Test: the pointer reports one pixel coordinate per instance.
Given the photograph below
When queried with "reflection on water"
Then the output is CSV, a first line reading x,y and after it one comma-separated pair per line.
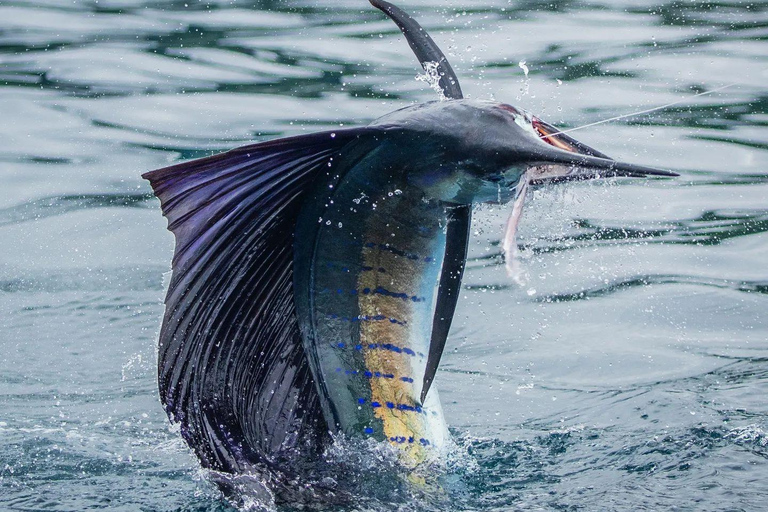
x,y
629,372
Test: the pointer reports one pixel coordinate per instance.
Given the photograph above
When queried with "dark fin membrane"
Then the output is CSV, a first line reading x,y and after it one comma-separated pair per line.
x,y
456,243
424,47
232,369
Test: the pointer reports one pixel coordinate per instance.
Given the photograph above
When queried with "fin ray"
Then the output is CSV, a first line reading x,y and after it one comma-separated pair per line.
x,y
232,368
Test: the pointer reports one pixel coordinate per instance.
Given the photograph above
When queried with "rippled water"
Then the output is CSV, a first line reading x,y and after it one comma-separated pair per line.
x,y
629,372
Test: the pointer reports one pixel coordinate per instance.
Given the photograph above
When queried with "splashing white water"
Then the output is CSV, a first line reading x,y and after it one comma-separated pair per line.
x,y
432,77
526,82
524,67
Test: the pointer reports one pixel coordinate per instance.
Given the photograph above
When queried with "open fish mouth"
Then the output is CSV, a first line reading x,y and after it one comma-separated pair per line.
x,y
593,164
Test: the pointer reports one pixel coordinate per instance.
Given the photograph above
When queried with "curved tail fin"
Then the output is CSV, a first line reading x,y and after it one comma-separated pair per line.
x,y
424,47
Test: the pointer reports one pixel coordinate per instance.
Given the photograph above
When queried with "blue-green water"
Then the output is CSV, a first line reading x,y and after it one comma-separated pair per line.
x,y
628,372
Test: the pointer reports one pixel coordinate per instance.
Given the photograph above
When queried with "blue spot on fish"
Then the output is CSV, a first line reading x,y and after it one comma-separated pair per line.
x,y
366,318
383,346
394,406
398,295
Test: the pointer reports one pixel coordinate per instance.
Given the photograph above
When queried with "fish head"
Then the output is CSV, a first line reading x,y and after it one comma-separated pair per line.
x,y
524,147
481,151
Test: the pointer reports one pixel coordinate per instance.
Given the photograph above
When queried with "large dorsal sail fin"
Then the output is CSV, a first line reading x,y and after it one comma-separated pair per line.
x,y
424,47
232,368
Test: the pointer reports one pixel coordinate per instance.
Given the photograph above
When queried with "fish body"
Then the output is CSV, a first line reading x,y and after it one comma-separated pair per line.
x,y
315,277
370,247
367,257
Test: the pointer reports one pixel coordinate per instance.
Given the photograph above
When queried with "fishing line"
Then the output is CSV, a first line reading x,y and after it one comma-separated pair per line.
x,y
678,102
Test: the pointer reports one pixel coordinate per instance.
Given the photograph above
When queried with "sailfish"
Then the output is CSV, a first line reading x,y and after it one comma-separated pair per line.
x,y
315,277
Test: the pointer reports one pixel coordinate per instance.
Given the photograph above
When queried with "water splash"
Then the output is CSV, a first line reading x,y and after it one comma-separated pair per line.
x,y
749,434
432,77
526,83
522,65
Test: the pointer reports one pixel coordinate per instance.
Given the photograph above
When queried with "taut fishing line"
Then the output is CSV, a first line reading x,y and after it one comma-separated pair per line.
x,y
678,102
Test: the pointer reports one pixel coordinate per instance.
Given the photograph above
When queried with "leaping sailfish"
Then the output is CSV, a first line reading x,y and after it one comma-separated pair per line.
x,y
315,277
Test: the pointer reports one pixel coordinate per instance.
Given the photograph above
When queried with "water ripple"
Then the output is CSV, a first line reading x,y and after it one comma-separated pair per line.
x,y
620,285
711,227
60,205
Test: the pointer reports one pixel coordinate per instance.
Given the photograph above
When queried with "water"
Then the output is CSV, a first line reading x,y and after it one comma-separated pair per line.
x,y
629,372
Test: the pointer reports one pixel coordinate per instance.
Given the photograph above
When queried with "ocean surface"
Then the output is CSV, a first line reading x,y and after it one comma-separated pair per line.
x,y
626,371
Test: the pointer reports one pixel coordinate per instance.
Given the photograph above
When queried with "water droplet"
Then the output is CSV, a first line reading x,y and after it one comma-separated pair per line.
x,y
522,66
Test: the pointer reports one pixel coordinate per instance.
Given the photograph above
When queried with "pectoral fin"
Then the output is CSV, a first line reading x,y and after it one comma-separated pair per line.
x,y
457,239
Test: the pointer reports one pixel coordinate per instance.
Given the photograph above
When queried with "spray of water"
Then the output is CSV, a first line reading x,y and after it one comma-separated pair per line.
x,y
432,77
